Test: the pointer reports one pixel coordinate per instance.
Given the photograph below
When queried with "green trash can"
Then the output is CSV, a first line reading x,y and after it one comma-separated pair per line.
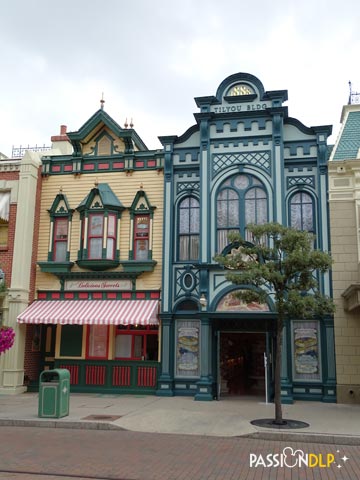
x,y
54,393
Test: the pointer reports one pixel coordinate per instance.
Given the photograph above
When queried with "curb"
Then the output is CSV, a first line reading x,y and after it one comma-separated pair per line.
x,y
330,439
89,425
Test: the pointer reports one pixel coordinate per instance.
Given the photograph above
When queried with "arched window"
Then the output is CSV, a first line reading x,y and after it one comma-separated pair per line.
x,y
241,199
302,212
189,227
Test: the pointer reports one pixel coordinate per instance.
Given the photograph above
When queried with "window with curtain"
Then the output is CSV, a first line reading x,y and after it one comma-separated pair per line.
x,y
302,212
189,228
98,235
141,237
61,227
241,199
97,344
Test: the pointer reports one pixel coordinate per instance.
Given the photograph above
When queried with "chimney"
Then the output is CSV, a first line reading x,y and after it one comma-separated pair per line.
x,y
62,137
61,142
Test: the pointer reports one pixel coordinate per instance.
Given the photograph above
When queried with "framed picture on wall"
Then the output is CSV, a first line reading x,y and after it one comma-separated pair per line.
x,y
187,348
306,350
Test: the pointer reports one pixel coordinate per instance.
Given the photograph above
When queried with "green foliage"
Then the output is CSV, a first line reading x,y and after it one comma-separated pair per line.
x,y
279,263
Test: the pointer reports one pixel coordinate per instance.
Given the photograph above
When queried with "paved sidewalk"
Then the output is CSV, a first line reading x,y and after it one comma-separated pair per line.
x,y
329,423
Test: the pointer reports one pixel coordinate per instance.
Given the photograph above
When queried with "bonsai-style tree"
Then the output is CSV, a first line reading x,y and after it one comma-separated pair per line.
x,y
279,264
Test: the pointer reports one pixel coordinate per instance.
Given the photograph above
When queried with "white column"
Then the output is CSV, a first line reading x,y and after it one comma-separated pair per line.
x,y
12,363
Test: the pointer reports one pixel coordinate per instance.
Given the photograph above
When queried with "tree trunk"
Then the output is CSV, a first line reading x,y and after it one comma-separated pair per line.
x,y
277,380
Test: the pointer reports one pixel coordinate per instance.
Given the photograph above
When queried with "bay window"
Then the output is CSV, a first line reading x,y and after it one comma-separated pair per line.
x,y
101,236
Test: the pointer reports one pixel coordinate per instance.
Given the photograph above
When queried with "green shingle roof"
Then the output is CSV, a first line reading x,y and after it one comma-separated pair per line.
x,y
108,198
349,142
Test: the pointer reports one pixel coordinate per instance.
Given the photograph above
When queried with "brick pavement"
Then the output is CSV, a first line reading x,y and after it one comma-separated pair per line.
x,y
124,455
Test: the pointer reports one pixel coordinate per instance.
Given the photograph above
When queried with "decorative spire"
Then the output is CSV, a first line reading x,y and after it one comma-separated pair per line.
x,y
131,123
96,183
102,101
141,186
60,189
354,97
126,124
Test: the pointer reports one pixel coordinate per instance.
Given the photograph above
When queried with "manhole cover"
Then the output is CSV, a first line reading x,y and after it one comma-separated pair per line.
x,y
108,418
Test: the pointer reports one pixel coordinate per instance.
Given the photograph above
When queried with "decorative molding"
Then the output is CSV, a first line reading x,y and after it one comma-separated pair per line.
x,y
308,180
261,159
187,186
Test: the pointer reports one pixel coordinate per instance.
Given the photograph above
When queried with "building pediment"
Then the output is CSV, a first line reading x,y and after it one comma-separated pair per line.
x,y
101,135
241,92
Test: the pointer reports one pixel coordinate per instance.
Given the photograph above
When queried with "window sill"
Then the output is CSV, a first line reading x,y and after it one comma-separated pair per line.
x,y
98,265
55,267
139,265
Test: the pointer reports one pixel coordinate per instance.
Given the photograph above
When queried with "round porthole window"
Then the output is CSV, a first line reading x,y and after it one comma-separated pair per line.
x,y
188,281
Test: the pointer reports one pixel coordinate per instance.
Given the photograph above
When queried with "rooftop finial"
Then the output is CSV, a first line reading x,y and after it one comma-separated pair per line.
x,y
102,101
60,189
131,123
126,124
96,183
141,186
354,97
349,102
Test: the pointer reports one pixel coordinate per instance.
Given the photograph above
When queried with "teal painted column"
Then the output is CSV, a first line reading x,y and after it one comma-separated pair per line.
x,y
328,361
166,380
204,186
204,385
277,114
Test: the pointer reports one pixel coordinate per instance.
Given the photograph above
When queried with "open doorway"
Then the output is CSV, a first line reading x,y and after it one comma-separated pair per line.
x,y
241,363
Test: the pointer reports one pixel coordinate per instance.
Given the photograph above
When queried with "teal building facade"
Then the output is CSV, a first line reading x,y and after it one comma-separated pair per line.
x,y
244,161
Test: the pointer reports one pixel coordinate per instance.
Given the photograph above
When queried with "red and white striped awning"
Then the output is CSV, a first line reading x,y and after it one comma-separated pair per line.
x,y
92,312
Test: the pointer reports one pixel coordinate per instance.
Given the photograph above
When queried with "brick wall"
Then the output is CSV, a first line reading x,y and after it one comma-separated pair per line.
x,y
32,359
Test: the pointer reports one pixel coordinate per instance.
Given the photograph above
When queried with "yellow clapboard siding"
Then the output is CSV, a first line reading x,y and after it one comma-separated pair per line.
x,y
125,187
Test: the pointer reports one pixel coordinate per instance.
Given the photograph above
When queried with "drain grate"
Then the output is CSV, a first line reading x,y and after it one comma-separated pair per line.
x,y
108,418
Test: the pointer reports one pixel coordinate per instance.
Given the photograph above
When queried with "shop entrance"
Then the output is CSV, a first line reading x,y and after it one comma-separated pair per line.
x,y
241,363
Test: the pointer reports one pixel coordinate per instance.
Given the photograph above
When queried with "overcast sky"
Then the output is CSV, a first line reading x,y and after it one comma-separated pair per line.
x,y
151,58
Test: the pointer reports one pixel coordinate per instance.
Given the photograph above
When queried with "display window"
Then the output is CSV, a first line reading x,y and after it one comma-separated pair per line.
x,y
136,342
97,341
